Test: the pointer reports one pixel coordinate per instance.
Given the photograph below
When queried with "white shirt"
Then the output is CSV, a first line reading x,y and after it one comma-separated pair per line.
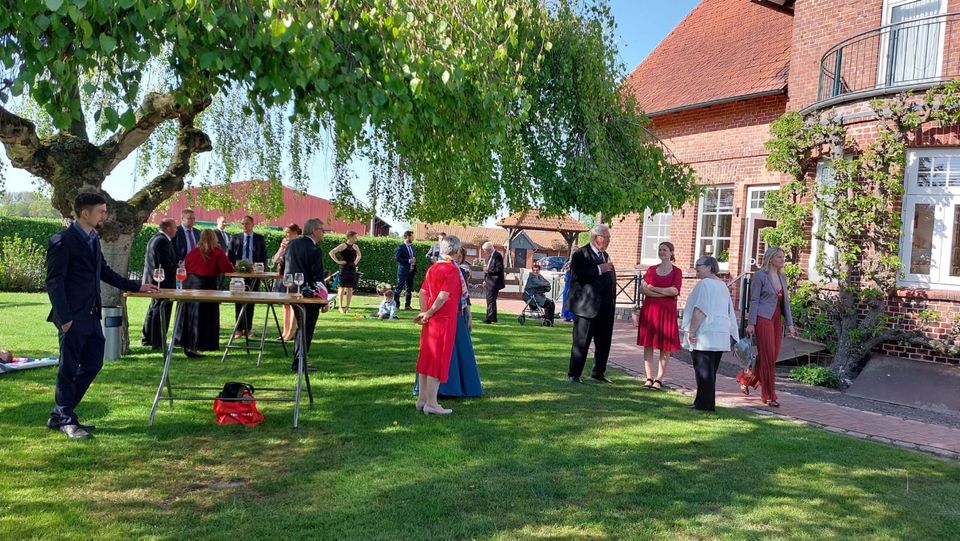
x,y
599,254
714,333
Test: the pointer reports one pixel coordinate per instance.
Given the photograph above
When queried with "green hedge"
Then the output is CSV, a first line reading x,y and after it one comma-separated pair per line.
x,y
377,265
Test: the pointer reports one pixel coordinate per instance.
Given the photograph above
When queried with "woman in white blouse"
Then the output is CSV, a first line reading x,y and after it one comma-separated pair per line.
x,y
709,324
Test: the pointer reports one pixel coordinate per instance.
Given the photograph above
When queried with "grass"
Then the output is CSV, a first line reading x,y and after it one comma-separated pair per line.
x,y
536,458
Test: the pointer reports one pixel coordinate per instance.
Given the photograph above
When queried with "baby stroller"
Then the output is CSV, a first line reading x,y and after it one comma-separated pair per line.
x,y
535,310
333,282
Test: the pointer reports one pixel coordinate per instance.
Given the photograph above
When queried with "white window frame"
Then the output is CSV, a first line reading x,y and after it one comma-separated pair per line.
x,y
724,265
884,60
824,175
645,236
946,201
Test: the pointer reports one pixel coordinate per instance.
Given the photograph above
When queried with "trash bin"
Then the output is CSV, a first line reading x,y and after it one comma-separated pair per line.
x,y
112,327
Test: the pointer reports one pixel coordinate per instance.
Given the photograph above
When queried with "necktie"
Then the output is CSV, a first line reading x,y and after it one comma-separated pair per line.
x,y
190,239
246,247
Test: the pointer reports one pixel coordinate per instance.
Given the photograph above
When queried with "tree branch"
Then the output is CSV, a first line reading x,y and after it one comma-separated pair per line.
x,y
19,138
156,109
190,141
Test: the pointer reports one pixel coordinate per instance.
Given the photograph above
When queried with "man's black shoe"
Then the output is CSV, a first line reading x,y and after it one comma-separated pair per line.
x,y
74,432
600,379
574,379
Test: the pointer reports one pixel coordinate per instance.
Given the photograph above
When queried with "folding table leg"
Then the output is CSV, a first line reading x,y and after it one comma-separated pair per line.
x,y
165,378
283,342
236,327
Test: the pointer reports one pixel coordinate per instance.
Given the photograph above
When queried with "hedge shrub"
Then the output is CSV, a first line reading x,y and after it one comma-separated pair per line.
x,y
22,264
813,374
377,265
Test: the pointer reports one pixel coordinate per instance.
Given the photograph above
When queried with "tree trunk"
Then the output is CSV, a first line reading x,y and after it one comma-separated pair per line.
x,y
116,252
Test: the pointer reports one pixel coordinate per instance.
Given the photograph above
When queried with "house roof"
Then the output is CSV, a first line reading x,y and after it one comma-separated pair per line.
x,y
496,235
722,51
531,220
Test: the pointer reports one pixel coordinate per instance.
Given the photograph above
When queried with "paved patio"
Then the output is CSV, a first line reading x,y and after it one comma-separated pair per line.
x,y
625,354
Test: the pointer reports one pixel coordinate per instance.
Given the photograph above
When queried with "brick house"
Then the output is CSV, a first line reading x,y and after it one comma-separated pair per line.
x,y
731,67
531,246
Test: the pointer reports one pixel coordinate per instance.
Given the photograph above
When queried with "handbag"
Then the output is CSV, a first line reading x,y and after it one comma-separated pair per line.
x,y
236,405
745,350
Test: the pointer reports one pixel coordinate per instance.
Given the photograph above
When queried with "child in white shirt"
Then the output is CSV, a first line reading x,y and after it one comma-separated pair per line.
x,y
387,309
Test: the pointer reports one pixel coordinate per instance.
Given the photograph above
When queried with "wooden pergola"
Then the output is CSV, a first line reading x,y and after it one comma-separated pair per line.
x,y
531,220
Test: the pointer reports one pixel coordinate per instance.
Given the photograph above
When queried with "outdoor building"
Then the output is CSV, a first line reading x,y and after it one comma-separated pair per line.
x,y
298,207
731,67
527,247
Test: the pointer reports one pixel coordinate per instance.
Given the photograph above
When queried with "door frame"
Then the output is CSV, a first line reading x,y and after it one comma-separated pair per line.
x,y
883,59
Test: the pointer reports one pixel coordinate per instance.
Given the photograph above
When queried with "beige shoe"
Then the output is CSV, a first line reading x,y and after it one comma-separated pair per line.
x,y
429,410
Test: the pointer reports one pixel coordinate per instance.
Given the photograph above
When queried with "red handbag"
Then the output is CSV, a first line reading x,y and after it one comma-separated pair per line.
x,y
235,405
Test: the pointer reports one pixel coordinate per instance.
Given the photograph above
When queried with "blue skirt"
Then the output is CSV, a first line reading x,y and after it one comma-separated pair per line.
x,y
464,378
565,312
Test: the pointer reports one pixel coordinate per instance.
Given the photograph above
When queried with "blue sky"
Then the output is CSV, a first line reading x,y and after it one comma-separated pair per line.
x,y
641,25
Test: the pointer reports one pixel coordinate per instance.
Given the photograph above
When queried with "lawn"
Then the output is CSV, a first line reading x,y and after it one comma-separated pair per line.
x,y
537,458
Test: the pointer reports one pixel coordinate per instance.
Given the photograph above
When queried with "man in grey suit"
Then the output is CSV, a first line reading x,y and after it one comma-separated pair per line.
x,y
304,256
222,236
160,254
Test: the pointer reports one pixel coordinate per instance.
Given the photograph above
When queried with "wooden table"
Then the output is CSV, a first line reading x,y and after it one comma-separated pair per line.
x,y
261,278
251,297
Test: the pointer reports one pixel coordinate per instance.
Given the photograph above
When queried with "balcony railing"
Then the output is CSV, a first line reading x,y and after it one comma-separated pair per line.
x,y
891,58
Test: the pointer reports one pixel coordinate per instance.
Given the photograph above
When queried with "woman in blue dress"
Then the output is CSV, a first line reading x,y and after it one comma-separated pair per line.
x,y
463,380
565,313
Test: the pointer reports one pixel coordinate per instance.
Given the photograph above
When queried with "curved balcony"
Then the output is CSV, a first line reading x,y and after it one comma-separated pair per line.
x,y
911,55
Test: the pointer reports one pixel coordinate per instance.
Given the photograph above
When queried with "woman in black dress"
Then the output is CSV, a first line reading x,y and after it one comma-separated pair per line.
x,y
200,328
350,254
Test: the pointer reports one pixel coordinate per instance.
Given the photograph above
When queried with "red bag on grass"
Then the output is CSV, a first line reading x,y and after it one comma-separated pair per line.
x,y
235,405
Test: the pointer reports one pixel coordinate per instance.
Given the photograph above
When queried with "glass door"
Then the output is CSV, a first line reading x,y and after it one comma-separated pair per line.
x,y
914,43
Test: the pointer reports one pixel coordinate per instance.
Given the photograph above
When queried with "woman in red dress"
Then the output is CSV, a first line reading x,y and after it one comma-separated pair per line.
x,y
200,330
769,306
658,315
439,303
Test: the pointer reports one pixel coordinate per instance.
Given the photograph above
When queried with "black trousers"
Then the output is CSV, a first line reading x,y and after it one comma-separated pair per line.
x,y
253,284
310,325
404,282
492,294
153,332
81,358
705,365
598,329
549,307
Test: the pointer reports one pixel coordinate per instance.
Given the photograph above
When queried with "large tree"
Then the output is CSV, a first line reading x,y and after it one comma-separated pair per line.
x,y
461,107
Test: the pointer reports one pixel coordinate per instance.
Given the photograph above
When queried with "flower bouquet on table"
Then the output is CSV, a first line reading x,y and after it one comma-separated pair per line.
x,y
244,265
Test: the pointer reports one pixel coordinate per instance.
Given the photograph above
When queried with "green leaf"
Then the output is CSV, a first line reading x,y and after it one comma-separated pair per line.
x,y
53,5
128,120
107,43
42,22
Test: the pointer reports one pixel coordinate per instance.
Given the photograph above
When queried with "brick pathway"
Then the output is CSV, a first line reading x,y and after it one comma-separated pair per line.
x,y
625,354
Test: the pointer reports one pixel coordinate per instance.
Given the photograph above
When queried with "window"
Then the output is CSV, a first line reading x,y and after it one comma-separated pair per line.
x,y
656,229
821,253
714,224
930,247
912,50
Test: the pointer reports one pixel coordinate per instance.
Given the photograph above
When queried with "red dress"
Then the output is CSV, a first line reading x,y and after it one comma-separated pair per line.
x,y
440,332
769,336
658,315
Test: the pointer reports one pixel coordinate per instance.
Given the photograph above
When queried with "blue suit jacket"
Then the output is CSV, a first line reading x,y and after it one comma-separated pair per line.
x,y
180,242
402,256
74,273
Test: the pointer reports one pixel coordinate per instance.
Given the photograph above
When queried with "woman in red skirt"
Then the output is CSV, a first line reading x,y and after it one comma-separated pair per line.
x,y
658,315
769,306
439,304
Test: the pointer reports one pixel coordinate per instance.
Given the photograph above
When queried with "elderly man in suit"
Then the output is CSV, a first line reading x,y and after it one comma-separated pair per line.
x,y
406,260
252,247
303,255
160,255
222,236
187,236
75,268
493,280
592,292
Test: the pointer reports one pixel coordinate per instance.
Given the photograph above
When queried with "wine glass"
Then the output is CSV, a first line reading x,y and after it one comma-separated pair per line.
x,y
158,275
287,282
298,279
181,274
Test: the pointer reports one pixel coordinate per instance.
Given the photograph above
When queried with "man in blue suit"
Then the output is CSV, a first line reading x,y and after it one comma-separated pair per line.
x,y
406,269
75,267
187,236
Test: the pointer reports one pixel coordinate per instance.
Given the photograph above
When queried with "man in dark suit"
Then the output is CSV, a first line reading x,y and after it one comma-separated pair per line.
x,y
222,236
592,291
406,269
492,280
75,267
252,247
304,255
160,254
187,237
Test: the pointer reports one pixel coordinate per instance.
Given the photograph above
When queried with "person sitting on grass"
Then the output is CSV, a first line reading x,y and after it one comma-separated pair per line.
x,y
387,310
5,356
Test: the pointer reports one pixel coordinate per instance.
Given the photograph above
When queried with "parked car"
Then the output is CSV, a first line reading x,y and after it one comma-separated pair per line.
x,y
554,262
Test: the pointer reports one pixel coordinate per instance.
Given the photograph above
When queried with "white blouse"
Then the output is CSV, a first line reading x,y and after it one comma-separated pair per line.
x,y
714,333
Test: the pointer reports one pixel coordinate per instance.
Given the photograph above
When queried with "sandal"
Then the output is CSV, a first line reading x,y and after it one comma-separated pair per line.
x,y
657,385
773,404
649,383
744,389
